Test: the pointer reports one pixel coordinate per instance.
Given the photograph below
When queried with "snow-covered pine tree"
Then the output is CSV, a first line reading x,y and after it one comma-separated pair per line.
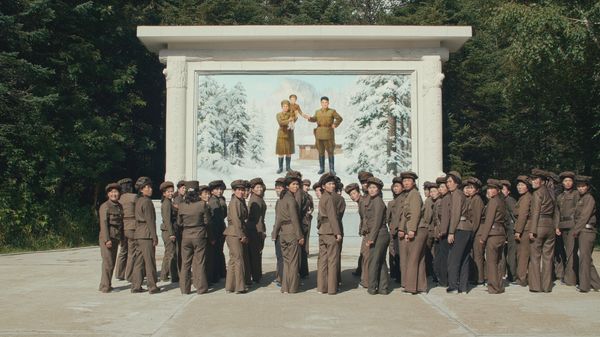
x,y
238,124
210,147
381,131
255,147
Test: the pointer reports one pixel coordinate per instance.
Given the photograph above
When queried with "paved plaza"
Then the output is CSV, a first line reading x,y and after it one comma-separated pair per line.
x,y
55,294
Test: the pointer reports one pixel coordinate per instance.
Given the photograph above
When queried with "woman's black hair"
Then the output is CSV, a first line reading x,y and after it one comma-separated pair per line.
x,y
191,196
127,188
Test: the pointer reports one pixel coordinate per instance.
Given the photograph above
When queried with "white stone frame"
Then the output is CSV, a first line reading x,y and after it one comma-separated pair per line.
x,y
415,50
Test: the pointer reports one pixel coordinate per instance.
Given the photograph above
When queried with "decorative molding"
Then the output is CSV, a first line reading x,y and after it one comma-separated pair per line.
x,y
176,72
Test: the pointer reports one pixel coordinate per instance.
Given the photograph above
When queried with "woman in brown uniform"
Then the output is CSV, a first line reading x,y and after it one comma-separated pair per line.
x,y
236,238
168,213
288,230
285,136
378,238
522,228
475,208
145,238
415,280
330,237
493,236
442,210
111,225
256,228
194,216
585,233
393,219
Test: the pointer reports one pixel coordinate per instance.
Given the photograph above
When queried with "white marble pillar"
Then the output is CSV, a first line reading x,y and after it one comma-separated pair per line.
x,y
176,78
430,119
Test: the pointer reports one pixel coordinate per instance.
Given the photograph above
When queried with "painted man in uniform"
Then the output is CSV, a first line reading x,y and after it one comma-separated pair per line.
x,y
327,121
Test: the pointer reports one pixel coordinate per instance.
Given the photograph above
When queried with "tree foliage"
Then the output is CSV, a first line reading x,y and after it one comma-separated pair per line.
x,y
82,101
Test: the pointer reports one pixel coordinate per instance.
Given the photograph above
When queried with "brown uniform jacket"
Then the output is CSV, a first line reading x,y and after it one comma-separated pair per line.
x,y
145,217
256,214
361,213
396,212
301,198
475,208
522,213
295,108
427,214
287,217
328,216
237,214
585,213
542,209
564,213
325,119
495,217
218,213
111,220
194,218
511,214
283,119
375,213
169,216
443,214
340,209
458,212
127,200
411,211
393,214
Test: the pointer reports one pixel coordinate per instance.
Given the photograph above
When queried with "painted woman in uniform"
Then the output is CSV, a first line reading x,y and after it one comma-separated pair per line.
x,y
285,136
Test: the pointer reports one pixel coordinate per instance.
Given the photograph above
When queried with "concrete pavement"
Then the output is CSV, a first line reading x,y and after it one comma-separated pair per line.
x,y
55,294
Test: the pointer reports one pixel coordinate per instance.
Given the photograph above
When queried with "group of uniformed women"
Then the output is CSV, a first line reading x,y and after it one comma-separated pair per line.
x,y
453,237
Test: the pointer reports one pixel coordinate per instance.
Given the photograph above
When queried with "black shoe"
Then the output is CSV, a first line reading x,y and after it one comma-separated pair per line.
x,y
280,162
141,290
371,292
288,161
321,165
451,290
154,291
331,165
384,292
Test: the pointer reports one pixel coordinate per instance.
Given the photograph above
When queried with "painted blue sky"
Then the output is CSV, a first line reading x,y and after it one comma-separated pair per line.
x,y
260,85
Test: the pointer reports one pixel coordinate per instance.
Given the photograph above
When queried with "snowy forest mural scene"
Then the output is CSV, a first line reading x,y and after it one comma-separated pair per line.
x,y
237,128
